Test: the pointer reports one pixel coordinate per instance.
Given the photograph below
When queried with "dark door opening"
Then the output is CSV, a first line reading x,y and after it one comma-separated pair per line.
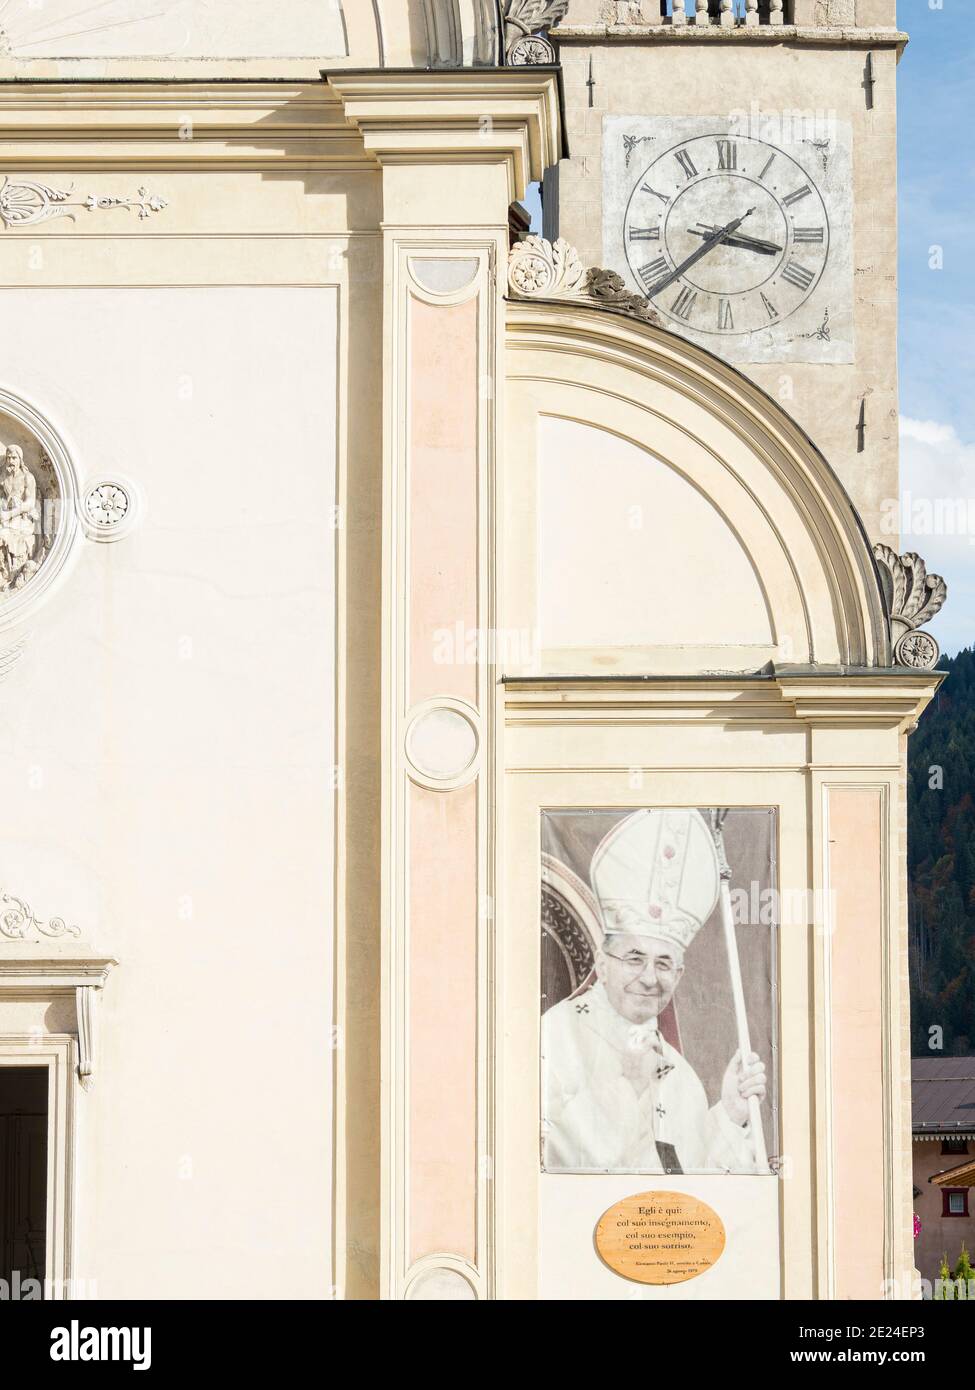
x,y
23,1175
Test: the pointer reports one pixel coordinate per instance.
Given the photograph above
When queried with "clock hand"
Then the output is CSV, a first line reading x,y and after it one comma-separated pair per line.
x,y
712,241
742,240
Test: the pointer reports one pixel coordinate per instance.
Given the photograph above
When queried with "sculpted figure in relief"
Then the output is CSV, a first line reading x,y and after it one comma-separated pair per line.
x,y
20,521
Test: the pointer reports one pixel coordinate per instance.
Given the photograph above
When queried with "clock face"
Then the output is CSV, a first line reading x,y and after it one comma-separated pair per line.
x,y
727,234
738,229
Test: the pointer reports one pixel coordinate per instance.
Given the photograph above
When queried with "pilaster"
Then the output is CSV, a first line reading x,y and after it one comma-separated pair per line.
x,y
455,150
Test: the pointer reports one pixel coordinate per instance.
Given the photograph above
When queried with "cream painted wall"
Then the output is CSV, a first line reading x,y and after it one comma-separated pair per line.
x,y
167,749
186,28
631,554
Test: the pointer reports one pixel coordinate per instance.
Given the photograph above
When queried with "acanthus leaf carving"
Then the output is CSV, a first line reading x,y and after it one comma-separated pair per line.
x,y
914,597
540,269
27,202
526,22
18,922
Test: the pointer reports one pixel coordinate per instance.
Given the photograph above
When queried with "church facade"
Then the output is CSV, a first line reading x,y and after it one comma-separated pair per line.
x,y
456,681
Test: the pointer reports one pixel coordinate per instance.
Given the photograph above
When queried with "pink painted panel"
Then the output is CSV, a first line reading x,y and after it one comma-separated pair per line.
x,y
443,499
856,878
443,1022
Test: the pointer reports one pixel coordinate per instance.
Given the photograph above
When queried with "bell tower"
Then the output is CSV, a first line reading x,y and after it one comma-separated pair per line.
x,y
736,164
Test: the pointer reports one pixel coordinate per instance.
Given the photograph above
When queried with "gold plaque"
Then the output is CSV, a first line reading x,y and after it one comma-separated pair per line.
x,y
660,1237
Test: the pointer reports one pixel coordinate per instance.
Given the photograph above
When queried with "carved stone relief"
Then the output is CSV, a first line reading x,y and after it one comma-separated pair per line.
x,y
29,500
526,22
18,922
540,269
913,598
38,520
25,202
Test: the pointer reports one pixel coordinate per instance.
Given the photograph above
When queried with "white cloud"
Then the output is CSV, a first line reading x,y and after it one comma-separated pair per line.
x,y
928,432
937,516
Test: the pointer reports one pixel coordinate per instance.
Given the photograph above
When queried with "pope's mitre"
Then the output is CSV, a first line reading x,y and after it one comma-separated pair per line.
x,y
657,874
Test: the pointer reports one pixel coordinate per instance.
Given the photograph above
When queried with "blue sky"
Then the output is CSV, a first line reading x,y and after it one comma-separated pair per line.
x,y
936,107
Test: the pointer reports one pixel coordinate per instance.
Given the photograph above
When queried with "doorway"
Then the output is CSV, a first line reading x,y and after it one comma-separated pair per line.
x,y
23,1175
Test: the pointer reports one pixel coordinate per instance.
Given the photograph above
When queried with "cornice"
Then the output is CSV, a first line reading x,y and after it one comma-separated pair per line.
x,y
818,36
28,971
175,125
893,699
473,115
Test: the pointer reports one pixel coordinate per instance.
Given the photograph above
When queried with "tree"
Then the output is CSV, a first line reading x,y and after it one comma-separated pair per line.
x,y
941,863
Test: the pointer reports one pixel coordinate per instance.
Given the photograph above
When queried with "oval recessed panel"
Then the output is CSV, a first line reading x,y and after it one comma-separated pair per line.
x,y
660,1238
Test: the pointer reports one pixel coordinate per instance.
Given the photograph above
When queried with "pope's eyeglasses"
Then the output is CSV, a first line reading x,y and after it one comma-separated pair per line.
x,y
634,963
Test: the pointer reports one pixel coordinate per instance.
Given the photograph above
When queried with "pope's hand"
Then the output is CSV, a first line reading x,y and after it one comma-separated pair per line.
x,y
740,1083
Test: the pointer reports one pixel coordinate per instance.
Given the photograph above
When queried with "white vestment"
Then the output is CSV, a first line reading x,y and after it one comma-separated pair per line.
x,y
612,1090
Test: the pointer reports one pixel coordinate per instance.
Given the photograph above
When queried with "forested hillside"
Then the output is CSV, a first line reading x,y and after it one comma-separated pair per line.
x,y
941,864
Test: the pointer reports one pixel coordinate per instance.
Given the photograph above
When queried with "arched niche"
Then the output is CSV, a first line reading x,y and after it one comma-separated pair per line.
x,y
662,515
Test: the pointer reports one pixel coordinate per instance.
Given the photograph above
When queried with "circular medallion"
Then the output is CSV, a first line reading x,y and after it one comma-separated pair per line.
x,y
726,234
441,743
917,649
109,508
106,505
660,1238
531,51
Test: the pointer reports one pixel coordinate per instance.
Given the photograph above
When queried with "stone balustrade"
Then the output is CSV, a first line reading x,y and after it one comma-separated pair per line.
x,y
731,14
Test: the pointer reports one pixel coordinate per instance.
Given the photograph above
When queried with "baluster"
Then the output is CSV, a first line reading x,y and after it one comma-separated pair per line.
x,y
678,17
775,15
751,14
721,12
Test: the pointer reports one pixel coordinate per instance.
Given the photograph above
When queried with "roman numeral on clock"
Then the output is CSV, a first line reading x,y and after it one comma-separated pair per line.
x,y
798,275
770,308
686,163
684,303
645,233
768,165
727,154
809,233
645,188
653,272
725,317
798,195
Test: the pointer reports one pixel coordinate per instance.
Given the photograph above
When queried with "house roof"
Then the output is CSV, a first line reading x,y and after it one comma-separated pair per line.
x,y
962,1176
943,1095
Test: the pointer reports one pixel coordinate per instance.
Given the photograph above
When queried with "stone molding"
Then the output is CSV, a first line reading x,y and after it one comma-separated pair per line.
x,y
477,115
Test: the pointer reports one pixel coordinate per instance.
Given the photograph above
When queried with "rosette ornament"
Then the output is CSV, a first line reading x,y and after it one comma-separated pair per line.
x,y
526,23
913,598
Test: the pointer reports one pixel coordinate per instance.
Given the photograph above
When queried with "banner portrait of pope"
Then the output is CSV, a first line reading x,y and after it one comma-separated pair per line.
x,y
658,1009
